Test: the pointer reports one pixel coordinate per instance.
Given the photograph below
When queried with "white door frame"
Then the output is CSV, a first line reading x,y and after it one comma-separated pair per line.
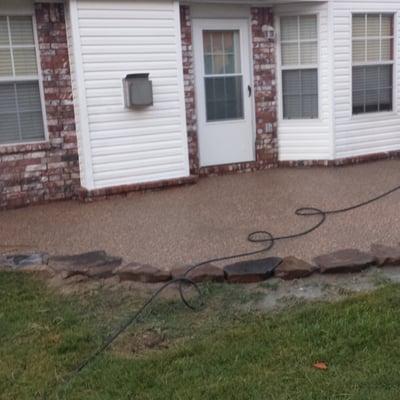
x,y
242,25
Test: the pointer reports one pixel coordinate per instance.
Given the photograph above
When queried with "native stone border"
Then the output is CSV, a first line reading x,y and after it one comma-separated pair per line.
x,y
100,265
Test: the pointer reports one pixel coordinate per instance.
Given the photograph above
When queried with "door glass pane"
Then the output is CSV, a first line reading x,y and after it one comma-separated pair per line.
x,y
224,98
224,92
221,52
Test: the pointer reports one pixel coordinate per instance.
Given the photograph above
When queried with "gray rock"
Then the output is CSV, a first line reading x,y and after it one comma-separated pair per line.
x,y
204,273
6,263
294,268
344,261
142,273
95,264
385,255
34,262
251,271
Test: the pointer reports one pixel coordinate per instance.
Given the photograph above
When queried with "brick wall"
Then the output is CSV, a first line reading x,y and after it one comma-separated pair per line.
x,y
189,84
40,172
263,42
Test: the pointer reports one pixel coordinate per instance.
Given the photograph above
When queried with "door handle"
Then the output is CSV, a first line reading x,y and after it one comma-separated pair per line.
x,y
249,90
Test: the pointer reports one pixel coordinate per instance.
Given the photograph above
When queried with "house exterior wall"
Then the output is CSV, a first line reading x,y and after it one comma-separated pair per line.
x,y
129,146
49,170
368,134
262,42
309,139
87,51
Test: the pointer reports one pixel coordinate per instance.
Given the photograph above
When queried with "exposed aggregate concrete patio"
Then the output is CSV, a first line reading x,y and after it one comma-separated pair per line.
x,y
184,225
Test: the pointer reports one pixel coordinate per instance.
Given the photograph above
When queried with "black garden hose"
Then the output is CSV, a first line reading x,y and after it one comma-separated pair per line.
x,y
263,237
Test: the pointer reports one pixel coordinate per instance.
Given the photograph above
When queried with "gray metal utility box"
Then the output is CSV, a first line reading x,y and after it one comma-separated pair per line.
x,y
138,90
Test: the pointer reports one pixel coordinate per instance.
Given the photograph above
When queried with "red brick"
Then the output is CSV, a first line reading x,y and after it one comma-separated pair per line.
x,y
29,167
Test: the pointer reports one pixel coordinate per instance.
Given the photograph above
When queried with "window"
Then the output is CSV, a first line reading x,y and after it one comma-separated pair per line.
x,y
223,75
299,61
21,118
372,63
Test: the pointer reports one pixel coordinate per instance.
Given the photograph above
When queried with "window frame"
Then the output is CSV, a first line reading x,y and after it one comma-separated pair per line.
x,y
281,68
393,62
28,78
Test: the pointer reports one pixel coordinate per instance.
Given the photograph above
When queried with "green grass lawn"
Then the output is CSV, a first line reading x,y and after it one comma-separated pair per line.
x,y
226,351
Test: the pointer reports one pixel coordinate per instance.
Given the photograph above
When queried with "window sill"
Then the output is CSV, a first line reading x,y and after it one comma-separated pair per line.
x,y
373,116
18,148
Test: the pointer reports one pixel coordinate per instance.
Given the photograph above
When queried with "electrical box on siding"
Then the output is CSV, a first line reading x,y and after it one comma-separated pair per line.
x,y
138,90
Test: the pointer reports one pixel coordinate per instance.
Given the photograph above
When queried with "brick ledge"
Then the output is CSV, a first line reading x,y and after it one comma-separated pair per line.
x,y
19,148
341,162
100,194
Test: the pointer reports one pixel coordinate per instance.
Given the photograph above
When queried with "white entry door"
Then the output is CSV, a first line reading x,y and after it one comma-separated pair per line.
x,y
223,91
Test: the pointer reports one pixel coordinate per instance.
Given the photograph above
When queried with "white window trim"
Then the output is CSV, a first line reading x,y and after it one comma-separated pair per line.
x,y
29,78
371,116
280,68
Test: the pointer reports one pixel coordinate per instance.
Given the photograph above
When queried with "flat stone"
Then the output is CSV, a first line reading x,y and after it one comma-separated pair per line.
x,y
294,268
344,261
95,264
251,271
385,255
142,273
34,262
204,273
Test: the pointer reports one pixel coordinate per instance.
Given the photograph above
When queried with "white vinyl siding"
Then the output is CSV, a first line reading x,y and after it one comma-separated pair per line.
x,y
113,39
368,133
308,139
21,116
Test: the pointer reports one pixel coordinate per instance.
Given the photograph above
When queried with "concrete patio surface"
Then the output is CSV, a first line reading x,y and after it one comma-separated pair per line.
x,y
183,225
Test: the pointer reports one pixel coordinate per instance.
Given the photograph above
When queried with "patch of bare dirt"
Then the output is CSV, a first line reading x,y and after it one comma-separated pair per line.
x,y
135,343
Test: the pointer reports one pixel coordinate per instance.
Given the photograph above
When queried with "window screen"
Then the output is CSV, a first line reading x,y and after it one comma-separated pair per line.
x,y
299,60
21,118
372,62
223,75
